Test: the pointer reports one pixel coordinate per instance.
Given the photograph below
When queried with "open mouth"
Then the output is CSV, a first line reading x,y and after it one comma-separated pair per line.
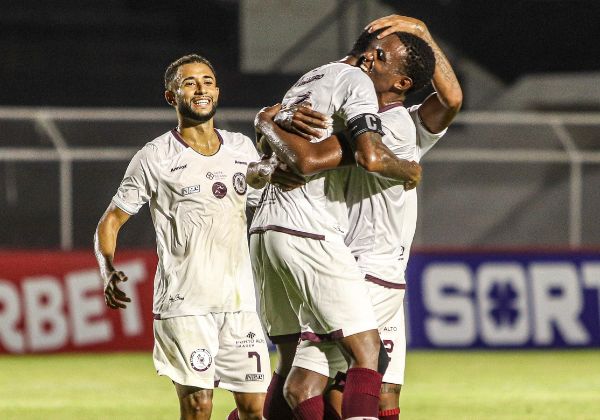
x,y
202,102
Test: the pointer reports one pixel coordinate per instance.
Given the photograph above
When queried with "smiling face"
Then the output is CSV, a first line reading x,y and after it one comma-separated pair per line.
x,y
194,92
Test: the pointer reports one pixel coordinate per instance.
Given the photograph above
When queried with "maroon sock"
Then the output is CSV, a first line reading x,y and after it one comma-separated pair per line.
x,y
330,413
233,415
391,414
311,409
361,393
276,407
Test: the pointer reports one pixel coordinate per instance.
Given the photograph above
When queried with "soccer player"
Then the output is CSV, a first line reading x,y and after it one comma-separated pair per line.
x,y
297,241
382,214
194,177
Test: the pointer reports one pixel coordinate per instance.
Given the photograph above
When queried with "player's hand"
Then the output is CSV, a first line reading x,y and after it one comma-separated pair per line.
x,y
413,175
266,116
398,23
114,297
308,123
284,178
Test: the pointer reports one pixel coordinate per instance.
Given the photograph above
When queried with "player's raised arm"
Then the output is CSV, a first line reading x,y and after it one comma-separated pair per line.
x,y
440,108
105,244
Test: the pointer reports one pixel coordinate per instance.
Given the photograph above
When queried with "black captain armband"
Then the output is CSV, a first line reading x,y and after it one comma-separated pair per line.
x,y
363,123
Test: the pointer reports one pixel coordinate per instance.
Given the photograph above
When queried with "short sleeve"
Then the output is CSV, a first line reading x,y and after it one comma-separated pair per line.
x,y
354,94
425,138
138,184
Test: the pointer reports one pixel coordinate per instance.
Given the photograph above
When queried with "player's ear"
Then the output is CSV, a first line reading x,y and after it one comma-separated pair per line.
x,y
217,95
403,83
170,98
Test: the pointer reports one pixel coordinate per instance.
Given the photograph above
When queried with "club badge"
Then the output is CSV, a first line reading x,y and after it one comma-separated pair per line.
x,y
239,183
200,360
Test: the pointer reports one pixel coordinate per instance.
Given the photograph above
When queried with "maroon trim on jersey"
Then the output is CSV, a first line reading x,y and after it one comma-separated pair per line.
x,y
319,338
216,383
218,135
285,338
288,231
391,106
156,316
178,137
384,283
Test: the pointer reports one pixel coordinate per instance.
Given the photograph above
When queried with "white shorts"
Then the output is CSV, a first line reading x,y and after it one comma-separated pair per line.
x,y
226,349
327,358
276,312
322,282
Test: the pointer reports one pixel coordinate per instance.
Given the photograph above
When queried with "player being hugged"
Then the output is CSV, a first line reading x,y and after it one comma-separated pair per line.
x,y
196,179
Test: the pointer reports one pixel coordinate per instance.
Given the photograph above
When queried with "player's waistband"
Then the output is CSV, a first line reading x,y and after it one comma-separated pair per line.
x,y
281,229
388,284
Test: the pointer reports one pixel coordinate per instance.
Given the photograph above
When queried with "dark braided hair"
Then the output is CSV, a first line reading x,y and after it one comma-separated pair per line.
x,y
419,63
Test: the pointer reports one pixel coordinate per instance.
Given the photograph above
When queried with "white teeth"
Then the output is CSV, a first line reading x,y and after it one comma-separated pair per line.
x,y
201,102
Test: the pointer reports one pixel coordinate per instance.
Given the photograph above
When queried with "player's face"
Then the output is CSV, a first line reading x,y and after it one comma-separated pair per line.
x,y
196,92
385,66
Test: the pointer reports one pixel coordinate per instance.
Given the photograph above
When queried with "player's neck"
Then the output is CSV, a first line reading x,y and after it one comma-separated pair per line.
x,y
200,137
387,99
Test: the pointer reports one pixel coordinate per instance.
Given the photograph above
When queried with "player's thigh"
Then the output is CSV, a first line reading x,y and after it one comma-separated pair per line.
x,y
243,363
184,349
393,336
324,358
386,302
276,310
324,276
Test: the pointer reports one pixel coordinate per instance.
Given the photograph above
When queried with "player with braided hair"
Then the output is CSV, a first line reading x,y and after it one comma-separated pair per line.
x,y
382,215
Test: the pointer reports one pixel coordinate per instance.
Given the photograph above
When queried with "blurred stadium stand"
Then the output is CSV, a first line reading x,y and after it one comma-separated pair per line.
x,y
512,178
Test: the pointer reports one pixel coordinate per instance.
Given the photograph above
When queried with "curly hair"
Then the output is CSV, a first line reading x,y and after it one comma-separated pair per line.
x,y
186,59
419,63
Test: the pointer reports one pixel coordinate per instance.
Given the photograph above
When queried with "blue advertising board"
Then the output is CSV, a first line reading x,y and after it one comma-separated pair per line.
x,y
503,300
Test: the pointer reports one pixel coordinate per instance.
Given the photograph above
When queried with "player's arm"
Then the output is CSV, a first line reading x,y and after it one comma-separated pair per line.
x,y
374,156
105,244
440,108
299,154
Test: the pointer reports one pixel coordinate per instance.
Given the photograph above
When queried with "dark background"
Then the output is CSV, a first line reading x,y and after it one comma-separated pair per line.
x,y
114,52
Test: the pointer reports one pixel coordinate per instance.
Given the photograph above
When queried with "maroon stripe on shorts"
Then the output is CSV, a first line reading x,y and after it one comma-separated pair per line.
x,y
318,338
156,316
384,283
288,231
285,338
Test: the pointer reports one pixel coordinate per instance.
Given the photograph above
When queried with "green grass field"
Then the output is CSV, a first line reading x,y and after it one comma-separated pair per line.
x,y
439,385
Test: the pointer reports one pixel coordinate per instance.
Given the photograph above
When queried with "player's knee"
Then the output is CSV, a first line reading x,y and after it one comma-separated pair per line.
x,y
250,406
196,405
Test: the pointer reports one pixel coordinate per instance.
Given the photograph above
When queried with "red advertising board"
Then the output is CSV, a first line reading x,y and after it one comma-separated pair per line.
x,y
54,302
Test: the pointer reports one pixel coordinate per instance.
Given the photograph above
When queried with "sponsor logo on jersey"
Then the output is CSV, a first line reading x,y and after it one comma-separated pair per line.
x,y
190,190
253,377
175,298
250,335
219,190
250,341
309,79
387,328
239,162
239,183
210,175
177,168
200,360
216,175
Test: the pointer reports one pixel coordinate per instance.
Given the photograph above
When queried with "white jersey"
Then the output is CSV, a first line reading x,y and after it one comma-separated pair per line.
x,y
383,217
198,208
317,210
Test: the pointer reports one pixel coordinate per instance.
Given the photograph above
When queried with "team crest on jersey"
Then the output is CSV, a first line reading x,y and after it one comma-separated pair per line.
x,y
219,190
200,360
239,183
